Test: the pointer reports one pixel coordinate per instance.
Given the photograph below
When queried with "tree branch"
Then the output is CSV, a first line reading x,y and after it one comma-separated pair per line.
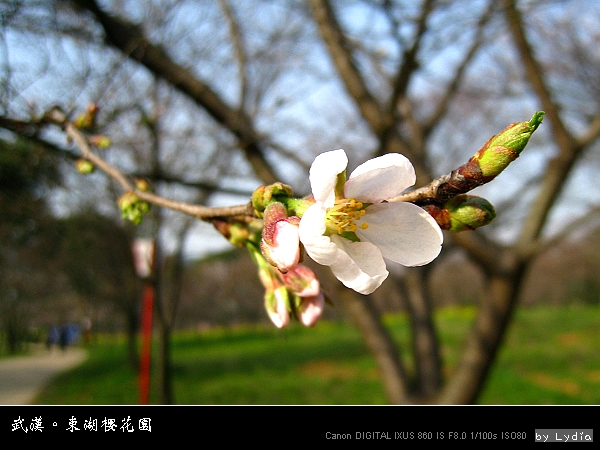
x,y
340,52
57,117
240,54
130,39
444,103
591,134
382,125
409,61
568,150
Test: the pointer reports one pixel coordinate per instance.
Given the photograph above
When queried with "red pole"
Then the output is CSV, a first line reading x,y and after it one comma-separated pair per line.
x,y
147,305
144,253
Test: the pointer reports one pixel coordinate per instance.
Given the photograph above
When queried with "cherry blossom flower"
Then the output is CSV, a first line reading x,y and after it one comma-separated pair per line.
x,y
351,227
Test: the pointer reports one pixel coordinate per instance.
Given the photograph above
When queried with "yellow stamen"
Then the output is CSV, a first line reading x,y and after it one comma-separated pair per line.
x,y
341,217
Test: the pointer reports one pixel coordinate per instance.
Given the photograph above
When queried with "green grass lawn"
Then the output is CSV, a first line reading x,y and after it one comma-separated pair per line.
x,y
550,356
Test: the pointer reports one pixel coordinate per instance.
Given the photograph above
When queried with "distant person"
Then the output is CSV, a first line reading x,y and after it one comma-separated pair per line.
x,y
53,337
64,337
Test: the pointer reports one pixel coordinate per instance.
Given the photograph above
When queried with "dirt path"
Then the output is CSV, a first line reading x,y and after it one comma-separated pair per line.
x,y
23,377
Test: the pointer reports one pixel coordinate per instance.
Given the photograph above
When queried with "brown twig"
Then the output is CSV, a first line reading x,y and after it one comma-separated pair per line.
x,y
57,117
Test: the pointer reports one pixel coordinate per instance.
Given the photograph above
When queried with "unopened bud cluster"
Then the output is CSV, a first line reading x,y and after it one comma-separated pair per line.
x,y
491,159
453,209
272,238
292,290
133,208
295,293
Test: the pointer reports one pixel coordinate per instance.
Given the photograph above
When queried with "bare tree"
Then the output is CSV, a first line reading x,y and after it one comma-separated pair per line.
x,y
432,80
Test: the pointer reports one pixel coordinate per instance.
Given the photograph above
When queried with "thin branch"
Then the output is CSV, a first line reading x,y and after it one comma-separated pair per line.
x,y
409,61
381,124
238,45
568,150
444,103
130,39
57,117
568,230
340,52
591,134
423,194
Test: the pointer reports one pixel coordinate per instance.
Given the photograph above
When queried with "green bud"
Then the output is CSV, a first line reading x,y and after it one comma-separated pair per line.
x,y
506,146
84,166
133,208
264,195
102,142
142,184
468,212
516,135
238,234
297,206
86,120
495,159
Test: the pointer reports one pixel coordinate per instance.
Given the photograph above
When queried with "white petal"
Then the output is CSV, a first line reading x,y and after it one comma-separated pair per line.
x,y
311,229
323,175
285,252
403,232
359,266
311,308
280,316
380,178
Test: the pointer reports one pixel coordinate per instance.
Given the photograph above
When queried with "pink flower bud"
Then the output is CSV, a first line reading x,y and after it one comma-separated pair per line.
x,y
309,298
280,242
276,305
302,281
310,309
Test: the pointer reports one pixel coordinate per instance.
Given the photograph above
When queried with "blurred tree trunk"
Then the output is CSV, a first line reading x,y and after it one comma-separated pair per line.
x,y
425,346
367,319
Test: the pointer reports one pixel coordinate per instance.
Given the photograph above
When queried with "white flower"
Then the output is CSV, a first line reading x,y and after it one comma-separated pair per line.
x,y
351,227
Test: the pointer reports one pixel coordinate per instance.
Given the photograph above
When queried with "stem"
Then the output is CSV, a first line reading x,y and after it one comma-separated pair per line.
x,y
57,117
